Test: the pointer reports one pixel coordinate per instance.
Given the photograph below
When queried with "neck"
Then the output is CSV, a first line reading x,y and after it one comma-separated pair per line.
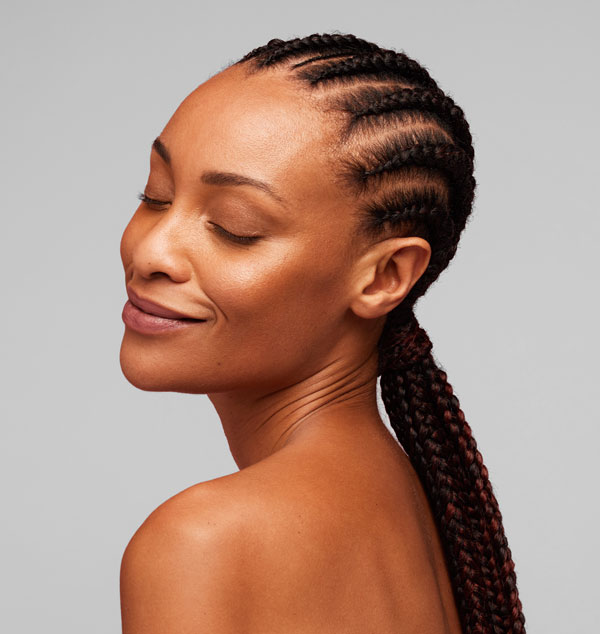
x,y
339,395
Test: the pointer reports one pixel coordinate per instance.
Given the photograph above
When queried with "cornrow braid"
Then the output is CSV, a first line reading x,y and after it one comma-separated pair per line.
x,y
383,64
445,156
277,50
372,103
405,152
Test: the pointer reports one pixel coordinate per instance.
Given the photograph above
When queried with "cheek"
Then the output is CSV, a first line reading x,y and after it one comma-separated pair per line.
x,y
287,295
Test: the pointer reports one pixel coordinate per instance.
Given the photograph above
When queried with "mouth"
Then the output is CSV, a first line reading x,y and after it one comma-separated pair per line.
x,y
148,323
153,308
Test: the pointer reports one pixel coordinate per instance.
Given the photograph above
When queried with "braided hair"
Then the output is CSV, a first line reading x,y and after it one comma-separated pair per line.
x,y
406,153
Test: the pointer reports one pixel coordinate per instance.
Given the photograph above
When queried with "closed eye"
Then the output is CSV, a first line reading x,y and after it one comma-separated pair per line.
x,y
152,202
233,237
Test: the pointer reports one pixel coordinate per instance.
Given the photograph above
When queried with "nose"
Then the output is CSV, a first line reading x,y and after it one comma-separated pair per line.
x,y
157,247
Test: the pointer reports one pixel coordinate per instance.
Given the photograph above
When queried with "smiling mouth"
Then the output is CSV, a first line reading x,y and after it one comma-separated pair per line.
x,y
148,323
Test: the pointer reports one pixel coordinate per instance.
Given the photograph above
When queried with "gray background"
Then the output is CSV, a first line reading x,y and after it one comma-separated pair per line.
x,y
86,456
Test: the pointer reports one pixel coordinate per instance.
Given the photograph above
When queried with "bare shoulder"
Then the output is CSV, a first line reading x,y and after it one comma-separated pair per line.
x,y
285,545
179,572
203,560
244,552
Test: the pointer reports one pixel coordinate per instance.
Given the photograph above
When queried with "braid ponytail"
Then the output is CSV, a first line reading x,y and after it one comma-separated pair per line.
x,y
427,419
406,153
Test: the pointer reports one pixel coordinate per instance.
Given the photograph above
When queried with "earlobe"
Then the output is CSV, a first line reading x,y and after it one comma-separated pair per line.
x,y
386,273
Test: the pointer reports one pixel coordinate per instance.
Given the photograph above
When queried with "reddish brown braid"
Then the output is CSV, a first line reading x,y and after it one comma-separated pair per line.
x,y
413,175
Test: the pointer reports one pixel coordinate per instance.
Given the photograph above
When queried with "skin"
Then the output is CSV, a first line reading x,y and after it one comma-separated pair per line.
x,y
326,506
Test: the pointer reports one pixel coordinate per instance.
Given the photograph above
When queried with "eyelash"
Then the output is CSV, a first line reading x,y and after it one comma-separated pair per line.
x,y
227,234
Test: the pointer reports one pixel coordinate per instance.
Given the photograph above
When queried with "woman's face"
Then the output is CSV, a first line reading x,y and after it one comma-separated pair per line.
x,y
274,307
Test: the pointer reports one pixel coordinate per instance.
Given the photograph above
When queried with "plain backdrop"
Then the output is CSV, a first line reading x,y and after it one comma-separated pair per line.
x,y
85,456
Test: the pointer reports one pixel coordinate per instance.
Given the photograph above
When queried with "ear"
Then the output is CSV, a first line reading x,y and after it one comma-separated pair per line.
x,y
385,274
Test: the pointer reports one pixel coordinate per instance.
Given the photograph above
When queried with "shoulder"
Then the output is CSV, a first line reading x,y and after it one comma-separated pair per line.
x,y
179,571
204,558
253,548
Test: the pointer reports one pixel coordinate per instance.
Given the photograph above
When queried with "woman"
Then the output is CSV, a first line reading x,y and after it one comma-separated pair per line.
x,y
298,204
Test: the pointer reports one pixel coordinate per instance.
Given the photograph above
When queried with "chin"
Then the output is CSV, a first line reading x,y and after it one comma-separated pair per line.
x,y
153,380
151,374
148,379
145,371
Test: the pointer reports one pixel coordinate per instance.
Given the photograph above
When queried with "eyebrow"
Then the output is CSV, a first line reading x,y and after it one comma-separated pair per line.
x,y
214,177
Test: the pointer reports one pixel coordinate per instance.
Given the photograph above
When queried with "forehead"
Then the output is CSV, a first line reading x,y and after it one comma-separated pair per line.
x,y
263,125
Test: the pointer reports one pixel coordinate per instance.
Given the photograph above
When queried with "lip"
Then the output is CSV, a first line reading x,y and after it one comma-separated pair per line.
x,y
148,324
153,308
147,317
